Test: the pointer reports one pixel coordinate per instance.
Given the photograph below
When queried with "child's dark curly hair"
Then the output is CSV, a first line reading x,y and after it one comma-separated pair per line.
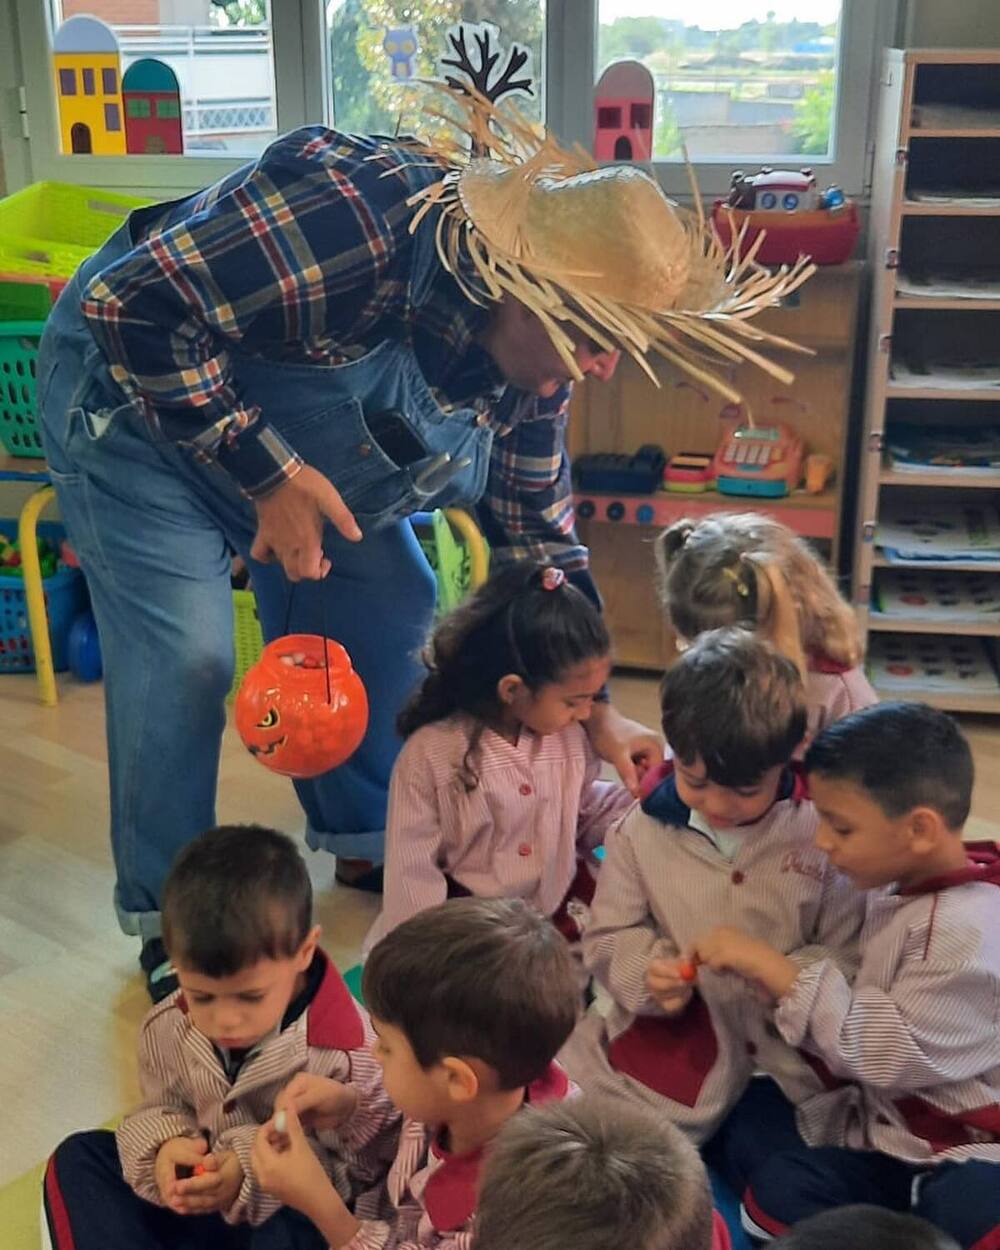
x,y
512,624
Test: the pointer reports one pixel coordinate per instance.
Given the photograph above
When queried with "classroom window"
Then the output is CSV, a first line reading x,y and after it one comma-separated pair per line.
x,y
378,48
734,80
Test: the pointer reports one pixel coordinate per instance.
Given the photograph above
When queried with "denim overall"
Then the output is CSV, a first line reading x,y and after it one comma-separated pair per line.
x,y
153,529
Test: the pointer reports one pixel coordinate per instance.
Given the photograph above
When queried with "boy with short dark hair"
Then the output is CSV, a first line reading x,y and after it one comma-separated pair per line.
x,y
259,1004
589,1173
470,1000
864,1227
917,1034
724,833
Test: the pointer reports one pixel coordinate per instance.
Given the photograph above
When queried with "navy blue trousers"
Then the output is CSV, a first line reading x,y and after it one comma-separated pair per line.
x,y
89,1206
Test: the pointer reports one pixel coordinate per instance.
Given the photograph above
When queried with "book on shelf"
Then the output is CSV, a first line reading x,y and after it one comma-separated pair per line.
x,y
949,283
908,663
939,531
946,375
936,595
970,451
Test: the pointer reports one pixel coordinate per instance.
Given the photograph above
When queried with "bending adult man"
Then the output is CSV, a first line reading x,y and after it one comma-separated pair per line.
x,y
289,364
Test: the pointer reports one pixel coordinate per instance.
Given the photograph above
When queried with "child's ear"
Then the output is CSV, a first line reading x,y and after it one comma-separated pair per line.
x,y
304,956
926,829
509,687
462,1079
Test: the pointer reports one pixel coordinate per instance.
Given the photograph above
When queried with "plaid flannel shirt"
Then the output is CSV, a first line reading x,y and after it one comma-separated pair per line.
x,y
304,256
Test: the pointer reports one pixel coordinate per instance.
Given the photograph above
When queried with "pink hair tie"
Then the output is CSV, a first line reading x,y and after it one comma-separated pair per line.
x,y
552,578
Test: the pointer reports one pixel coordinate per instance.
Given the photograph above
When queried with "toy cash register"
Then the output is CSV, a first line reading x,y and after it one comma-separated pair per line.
x,y
764,460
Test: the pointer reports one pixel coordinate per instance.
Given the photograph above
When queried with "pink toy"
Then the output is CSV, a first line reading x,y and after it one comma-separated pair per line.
x,y
623,113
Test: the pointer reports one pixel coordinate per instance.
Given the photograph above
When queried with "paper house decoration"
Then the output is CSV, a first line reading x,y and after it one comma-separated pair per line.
x,y
623,113
152,109
88,85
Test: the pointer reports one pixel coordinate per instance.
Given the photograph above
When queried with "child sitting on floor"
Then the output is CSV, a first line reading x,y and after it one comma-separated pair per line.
x,y
918,1032
258,1002
589,1173
747,569
471,1000
496,791
725,834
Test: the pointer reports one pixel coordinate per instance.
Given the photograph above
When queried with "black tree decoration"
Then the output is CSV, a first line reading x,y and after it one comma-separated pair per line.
x,y
479,77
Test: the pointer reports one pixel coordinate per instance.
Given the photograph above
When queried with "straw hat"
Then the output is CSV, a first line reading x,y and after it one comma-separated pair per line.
x,y
597,249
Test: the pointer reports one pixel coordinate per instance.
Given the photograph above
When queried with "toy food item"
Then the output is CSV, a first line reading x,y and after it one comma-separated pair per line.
x,y
302,709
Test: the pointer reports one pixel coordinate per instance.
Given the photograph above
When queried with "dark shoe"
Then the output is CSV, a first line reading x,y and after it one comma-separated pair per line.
x,y
359,874
161,980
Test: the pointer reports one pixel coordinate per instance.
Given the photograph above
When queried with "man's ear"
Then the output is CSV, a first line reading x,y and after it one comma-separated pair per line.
x,y
305,953
462,1079
509,687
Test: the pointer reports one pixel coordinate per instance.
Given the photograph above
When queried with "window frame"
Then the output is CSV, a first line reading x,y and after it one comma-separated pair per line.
x,y
301,74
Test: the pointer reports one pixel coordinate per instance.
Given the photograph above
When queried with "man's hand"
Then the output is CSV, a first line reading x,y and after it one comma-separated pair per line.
x,y
290,524
177,1152
669,984
216,1188
726,949
319,1102
630,747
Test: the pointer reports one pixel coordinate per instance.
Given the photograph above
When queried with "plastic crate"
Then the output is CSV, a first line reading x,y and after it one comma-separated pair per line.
x,y
24,299
54,286
248,638
51,227
65,599
18,355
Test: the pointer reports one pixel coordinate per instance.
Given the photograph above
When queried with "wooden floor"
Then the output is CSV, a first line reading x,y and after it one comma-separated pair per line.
x,y
70,993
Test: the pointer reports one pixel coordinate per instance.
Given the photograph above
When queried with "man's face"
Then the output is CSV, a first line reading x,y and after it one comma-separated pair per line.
x,y
527,358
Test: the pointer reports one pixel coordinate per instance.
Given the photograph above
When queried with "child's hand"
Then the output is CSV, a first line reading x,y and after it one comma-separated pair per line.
x,y
725,949
215,1189
285,1166
669,984
318,1101
177,1152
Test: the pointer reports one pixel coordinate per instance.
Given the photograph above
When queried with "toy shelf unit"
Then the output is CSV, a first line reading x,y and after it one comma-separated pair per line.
x,y
623,415
927,547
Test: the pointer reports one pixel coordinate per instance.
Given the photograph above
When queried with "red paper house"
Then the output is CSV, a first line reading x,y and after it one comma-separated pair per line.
x,y
623,113
152,109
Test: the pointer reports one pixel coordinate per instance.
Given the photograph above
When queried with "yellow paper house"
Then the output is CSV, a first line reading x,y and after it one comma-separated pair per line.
x,y
89,87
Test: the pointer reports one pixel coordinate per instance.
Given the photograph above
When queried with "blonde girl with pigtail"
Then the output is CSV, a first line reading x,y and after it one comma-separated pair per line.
x,y
747,569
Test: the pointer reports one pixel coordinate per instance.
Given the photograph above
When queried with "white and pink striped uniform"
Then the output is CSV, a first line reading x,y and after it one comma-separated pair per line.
x,y
832,690
186,1092
919,1030
663,885
519,833
433,1191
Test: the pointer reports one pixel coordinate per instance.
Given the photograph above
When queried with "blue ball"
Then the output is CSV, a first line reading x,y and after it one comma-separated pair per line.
x,y
85,648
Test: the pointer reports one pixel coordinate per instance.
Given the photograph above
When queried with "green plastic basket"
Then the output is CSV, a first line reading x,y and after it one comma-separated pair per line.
x,y
248,638
51,227
18,354
24,301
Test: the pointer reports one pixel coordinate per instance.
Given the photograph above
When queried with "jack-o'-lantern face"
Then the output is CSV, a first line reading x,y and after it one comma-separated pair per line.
x,y
300,712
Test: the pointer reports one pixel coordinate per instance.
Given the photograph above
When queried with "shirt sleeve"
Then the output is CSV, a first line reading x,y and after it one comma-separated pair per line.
x,y
935,1023
165,1113
837,930
621,936
528,506
601,804
252,1204
414,878
300,249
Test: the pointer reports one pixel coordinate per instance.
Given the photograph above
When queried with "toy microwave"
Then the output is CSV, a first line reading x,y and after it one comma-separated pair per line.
x,y
763,460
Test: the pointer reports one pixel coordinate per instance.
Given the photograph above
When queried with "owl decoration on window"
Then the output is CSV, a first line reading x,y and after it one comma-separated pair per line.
x,y
401,47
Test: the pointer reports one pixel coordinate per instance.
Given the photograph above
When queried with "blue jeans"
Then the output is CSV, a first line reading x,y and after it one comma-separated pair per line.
x,y
154,528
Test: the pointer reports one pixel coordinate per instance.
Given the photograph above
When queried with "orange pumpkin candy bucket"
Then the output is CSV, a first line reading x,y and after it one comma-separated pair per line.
x,y
302,709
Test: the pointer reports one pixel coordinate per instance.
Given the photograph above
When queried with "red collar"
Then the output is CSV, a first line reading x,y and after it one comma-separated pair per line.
x,y
333,1021
817,662
451,1193
983,865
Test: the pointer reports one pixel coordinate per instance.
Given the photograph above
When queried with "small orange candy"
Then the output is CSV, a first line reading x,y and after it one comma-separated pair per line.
x,y
687,970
